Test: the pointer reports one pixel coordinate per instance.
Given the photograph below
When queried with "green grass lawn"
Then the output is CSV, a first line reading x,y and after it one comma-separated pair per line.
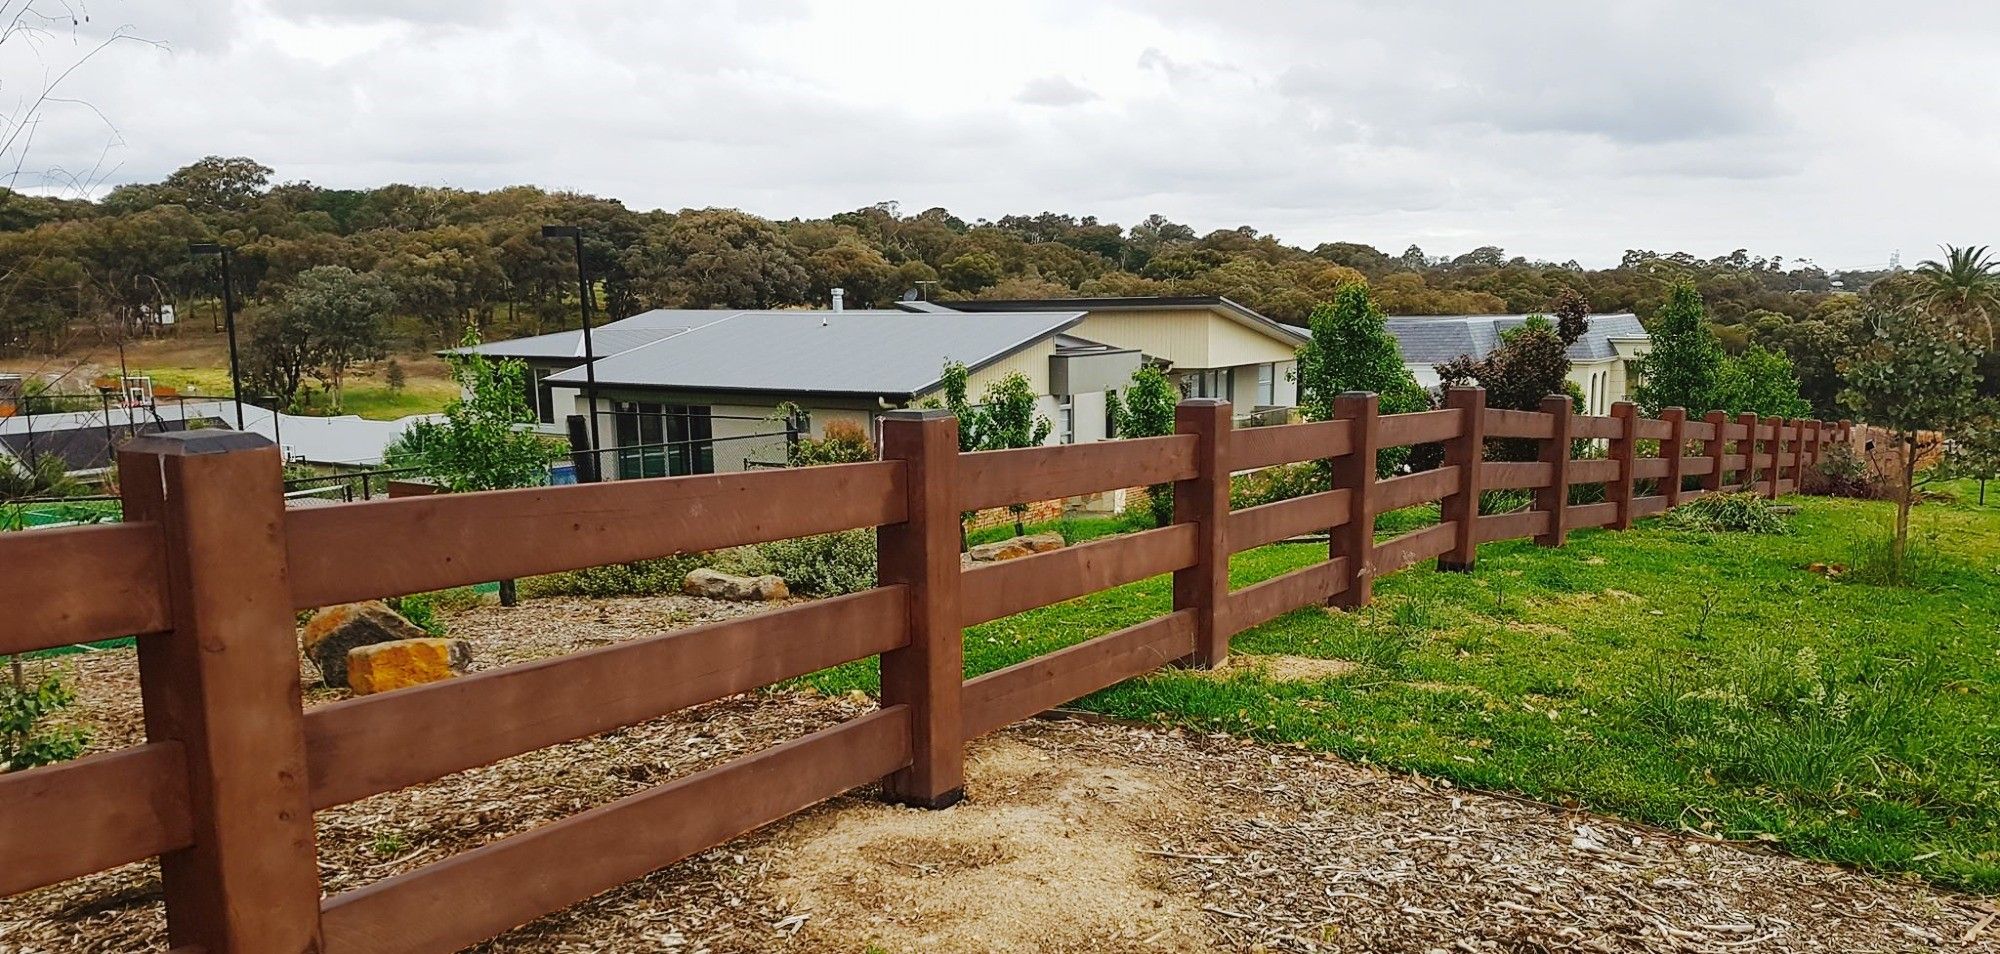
x,y
382,404
366,397
1689,680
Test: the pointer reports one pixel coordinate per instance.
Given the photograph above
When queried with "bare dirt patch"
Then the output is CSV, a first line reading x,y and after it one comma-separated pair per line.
x,y
1075,837
1039,858
1278,667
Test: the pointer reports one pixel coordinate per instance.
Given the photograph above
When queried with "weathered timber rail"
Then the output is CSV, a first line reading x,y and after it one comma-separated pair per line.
x,y
210,568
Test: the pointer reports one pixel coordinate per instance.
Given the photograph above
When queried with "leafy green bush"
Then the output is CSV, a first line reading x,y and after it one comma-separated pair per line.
x,y
826,565
640,578
418,608
843,443
1742,512
27,737
1273,484
1842,473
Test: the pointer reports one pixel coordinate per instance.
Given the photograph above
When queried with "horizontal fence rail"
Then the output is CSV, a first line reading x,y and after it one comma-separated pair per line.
x,y
211,568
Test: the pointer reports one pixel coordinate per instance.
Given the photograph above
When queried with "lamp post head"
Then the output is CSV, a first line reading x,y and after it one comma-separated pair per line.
x,y
562,231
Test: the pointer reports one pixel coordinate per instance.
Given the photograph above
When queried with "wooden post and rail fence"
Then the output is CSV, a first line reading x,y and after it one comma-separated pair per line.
x,y
210,568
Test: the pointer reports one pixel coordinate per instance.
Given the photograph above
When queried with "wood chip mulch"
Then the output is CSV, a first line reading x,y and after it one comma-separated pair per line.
x,y
1093,837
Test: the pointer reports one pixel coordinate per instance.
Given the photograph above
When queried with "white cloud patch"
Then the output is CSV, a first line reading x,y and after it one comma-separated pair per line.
x,y
1553,130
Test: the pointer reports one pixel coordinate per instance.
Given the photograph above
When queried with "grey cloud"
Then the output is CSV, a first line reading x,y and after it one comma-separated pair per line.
x,y
1554,130
1053,91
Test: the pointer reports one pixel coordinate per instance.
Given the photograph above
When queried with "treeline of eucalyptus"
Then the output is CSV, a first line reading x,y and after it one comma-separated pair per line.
x,y
455,258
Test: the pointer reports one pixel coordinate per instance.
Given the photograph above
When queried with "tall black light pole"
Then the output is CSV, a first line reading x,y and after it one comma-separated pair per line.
x,y
228,322
575,233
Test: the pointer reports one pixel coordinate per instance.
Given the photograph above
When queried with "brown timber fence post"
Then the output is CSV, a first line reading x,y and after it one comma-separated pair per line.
x,y
922,554
1715,449
1777,471
1747,446
1799,455
1355,473
224,685
1204,502
1671,448
1467,453
1553,497
1623,449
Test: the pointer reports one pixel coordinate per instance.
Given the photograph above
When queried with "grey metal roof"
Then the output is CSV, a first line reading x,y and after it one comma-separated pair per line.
x,y
1435,339
879,352
90,447
609,338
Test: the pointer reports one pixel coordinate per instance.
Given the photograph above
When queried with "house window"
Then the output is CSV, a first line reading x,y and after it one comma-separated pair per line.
x,y
1066,419
663,440
537,392
545,399
1214,383
1267,384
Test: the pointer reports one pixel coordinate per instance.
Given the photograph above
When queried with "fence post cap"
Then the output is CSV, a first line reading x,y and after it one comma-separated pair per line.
x,y
202,441
916,414
1202,402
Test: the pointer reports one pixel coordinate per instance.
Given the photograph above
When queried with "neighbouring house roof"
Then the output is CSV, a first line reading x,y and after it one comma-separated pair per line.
x,y
88,440
609,338
856,352
1241,313
89,447
1435,339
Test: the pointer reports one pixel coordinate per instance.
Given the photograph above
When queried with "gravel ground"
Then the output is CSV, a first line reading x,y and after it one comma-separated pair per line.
x,y
1076,835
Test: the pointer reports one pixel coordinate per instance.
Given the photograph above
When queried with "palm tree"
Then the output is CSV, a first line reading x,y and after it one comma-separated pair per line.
x,y
1965,285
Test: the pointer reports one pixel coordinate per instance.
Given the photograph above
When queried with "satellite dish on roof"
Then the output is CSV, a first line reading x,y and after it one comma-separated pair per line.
x,y
910,295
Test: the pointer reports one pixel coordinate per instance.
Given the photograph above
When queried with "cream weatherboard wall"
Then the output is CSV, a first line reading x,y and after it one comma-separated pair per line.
x,y
1195,340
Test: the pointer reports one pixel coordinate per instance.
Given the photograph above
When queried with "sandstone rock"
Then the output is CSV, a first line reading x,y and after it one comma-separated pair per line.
x,y
1017,547
717,585
335,630
380,667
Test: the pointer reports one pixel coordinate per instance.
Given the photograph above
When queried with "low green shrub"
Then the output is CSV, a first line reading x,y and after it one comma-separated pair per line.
x,y
1273,484
1842,473
640,578
418,608
29,732
826,565
1742,512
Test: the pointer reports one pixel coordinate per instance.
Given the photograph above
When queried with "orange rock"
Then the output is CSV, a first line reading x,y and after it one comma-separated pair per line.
x,y
397,664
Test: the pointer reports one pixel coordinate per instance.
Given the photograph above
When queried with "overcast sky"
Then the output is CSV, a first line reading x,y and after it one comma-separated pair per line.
x,y
1831,130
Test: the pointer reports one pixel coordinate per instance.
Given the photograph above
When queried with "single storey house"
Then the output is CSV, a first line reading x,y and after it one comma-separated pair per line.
x,y
1209,345
716,395
698,391
1600,361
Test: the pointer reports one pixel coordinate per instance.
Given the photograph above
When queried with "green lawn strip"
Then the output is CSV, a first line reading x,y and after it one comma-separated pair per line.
x,y
1676,678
